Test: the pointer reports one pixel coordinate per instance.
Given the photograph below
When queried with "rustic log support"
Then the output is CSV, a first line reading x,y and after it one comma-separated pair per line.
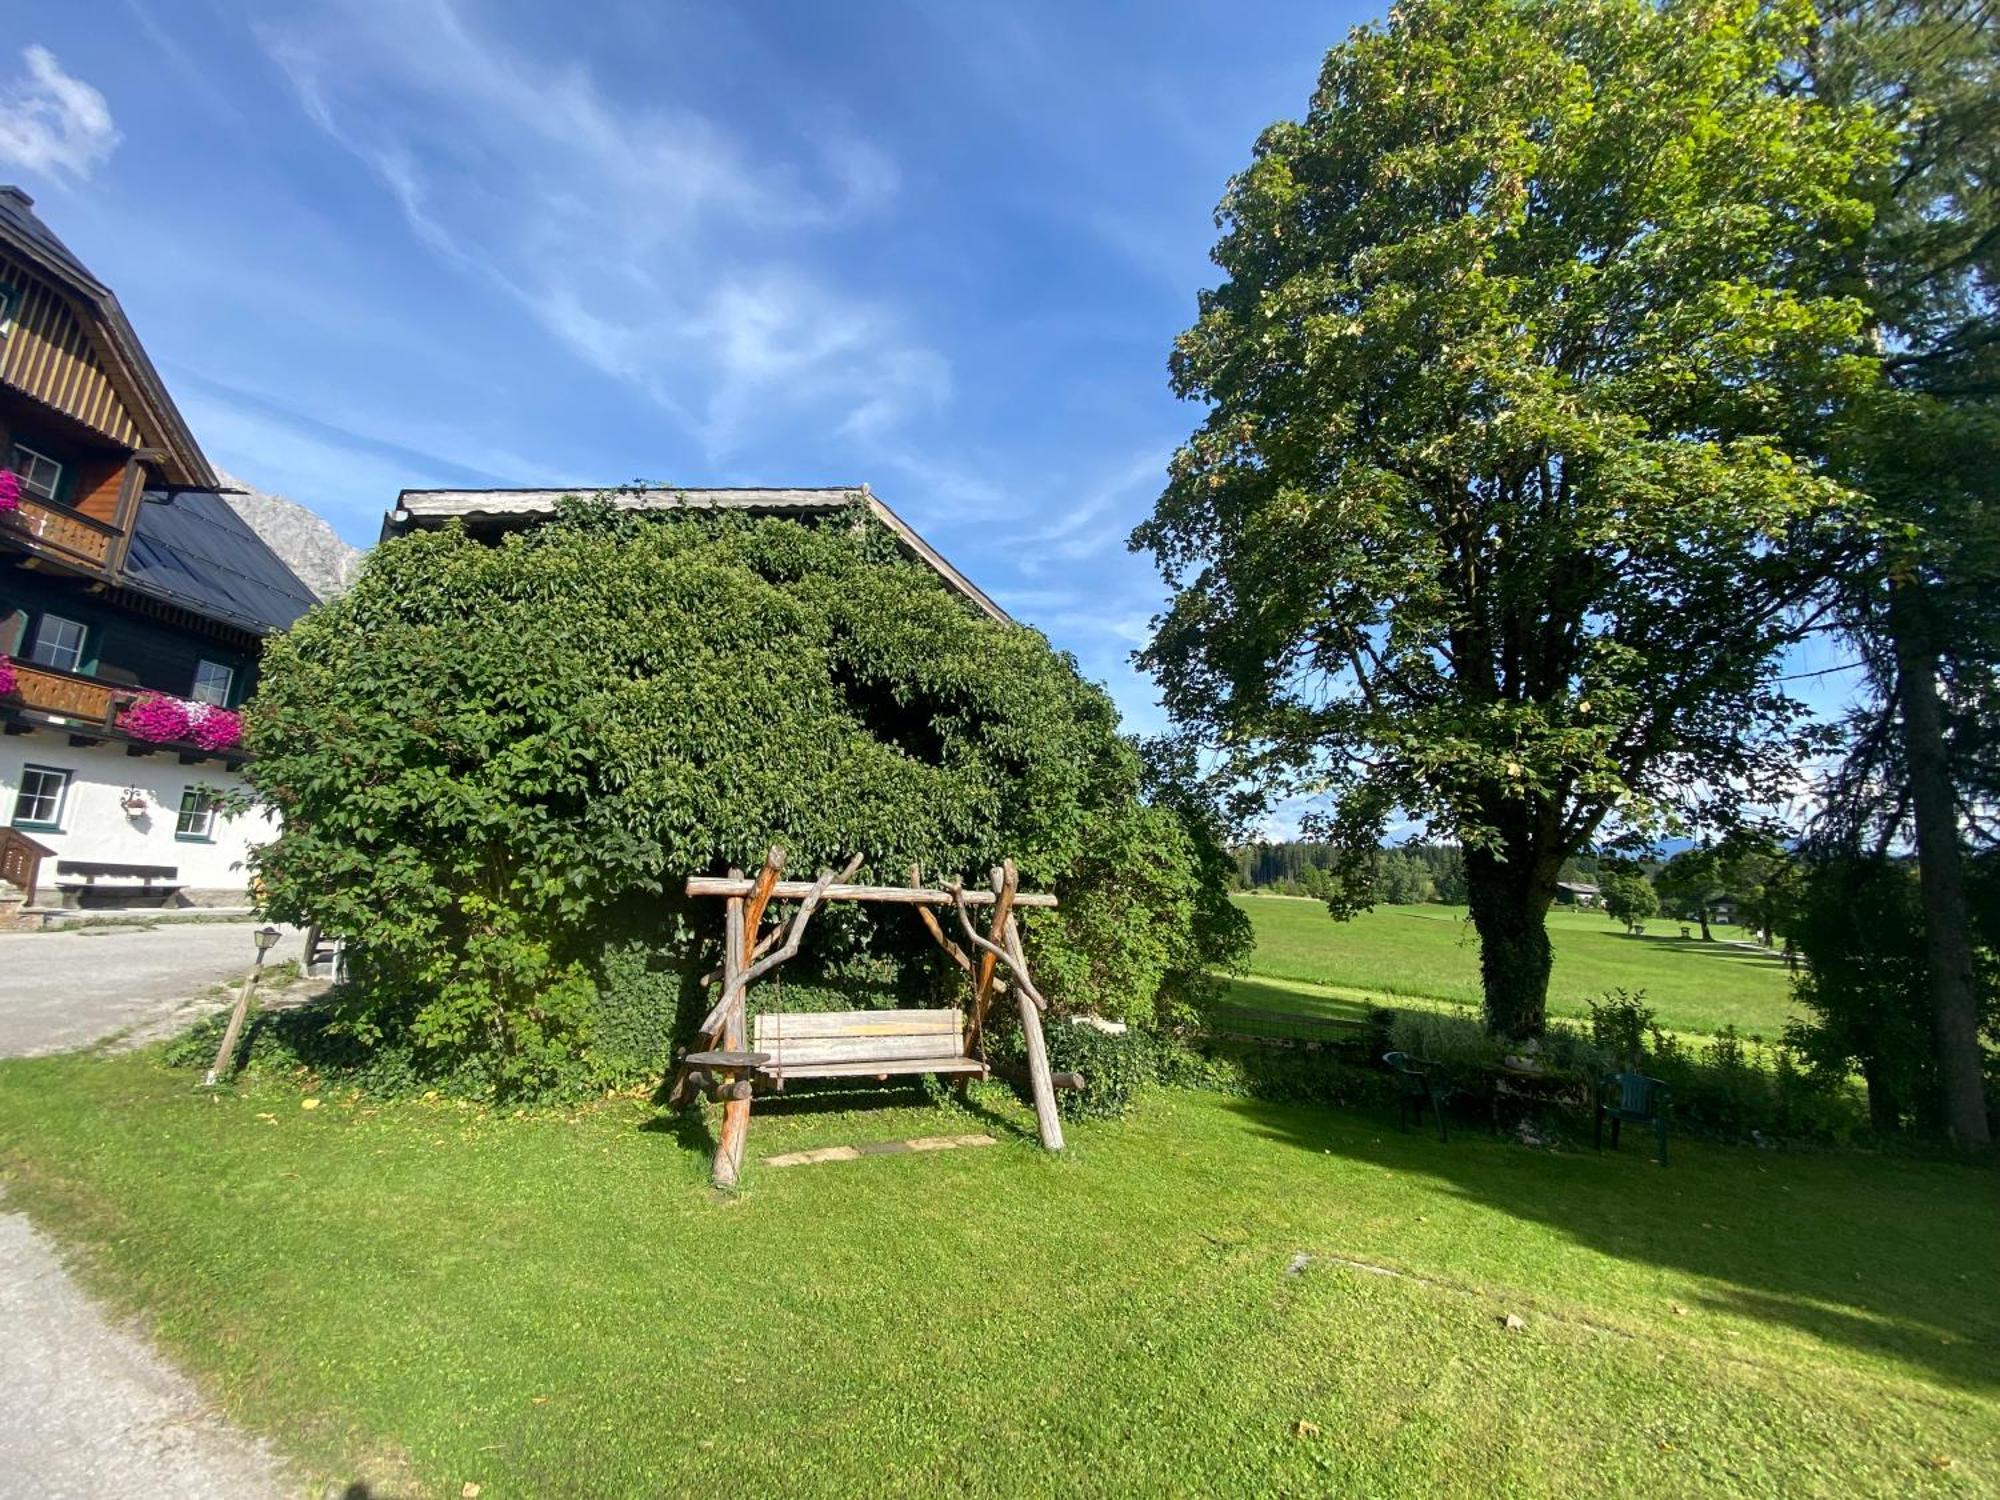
x,y
748,974
1006,885
736,1112
1040,1082
760,897
929,918
1031,1004
1022,980
1070,1082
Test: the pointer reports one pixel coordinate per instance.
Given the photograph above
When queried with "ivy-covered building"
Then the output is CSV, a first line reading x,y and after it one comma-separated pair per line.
x,y
133,601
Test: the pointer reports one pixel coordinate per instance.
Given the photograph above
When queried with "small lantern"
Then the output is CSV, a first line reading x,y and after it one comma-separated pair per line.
x,y
266,938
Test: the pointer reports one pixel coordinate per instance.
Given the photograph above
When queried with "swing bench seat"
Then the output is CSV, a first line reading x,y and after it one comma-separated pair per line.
x,y
861,1043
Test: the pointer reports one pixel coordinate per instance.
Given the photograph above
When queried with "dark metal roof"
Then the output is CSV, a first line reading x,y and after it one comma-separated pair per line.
x,y
17,212
191,549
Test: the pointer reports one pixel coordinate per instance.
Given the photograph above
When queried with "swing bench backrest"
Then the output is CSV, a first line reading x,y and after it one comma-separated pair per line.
x,y
861,1043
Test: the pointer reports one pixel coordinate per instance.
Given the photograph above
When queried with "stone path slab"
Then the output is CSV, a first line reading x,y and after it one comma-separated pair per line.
x,y
878,1148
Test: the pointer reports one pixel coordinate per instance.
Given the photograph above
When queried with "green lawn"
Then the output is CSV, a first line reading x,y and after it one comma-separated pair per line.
x,y
418,1296
1394,954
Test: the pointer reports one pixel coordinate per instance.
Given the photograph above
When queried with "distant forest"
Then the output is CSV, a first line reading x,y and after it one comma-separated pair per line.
x,y
1405,874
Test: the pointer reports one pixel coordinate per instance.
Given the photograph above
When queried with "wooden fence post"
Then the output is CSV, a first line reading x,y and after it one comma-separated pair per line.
x,y
226,1053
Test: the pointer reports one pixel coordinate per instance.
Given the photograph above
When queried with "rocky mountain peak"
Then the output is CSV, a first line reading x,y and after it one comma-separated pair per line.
x,y
307,545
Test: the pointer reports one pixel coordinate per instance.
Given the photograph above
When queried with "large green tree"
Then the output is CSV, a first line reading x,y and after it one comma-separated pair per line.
x,y
1495,516
1923,602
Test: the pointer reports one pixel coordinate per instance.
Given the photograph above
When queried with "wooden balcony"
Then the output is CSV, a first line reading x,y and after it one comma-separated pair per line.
x,y
84,701
59,532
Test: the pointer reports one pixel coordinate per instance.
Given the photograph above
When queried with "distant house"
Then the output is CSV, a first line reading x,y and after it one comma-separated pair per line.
x,y
133,602
1577,893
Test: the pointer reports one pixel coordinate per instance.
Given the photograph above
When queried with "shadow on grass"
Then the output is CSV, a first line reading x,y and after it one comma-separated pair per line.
x,y
692,1129
1276,995
1890,1258
1756,958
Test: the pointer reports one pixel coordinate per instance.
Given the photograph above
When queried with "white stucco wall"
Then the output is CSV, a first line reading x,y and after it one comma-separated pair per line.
x,y
95,826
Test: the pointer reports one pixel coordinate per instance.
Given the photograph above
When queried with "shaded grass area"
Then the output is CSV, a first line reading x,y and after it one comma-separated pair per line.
x,y
1399,954
557,1305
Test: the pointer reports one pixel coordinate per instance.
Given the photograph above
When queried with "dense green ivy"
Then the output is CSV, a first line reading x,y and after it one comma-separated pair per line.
x,y
498,763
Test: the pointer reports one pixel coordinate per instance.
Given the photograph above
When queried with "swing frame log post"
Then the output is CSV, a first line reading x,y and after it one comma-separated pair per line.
x,y
735,1111
1040,1080
1006,887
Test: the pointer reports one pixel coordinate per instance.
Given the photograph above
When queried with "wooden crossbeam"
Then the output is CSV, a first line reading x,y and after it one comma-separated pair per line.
x,y
892,895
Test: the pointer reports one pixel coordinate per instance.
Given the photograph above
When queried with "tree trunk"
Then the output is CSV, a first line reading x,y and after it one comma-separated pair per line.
x,y
1940,866
1510,910
1884,1112
1702,912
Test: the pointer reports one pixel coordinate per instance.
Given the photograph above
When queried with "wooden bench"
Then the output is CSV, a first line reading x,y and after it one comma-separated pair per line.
x,y
861,1043
84,878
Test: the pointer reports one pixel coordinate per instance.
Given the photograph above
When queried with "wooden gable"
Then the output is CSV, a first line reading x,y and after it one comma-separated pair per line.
x,y
49,354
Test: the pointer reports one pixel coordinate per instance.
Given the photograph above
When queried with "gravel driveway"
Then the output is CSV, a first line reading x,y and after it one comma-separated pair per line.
x,y
87,1406
67,989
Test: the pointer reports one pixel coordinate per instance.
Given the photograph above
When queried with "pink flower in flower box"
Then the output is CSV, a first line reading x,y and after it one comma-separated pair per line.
x,y
216,728
8,681
10,491
160,719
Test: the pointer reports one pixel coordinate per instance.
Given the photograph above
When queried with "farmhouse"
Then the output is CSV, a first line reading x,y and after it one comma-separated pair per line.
x,y
1578,893
132,603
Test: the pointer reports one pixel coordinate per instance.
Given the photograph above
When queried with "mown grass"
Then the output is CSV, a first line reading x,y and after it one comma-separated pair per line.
x,y
418,1296
1396,954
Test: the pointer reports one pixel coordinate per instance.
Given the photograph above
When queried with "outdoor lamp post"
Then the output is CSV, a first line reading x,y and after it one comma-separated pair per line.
x,y
266,938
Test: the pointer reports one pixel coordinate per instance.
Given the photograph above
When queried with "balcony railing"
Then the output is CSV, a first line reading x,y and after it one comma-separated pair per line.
x,y
92,707
60,532
84,700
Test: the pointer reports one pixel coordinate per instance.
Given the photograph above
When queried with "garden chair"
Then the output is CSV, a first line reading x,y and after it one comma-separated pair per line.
x,y
1634,1097
1417,1085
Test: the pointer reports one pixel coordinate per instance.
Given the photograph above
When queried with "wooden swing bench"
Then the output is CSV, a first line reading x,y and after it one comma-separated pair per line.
x,y
853,1043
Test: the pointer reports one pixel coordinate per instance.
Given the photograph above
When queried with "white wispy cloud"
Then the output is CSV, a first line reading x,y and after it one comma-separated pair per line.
x,y
650,241
1099,516
54,123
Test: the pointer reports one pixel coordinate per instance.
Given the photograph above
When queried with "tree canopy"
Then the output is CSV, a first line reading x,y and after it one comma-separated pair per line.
x,y
1500,514
497,763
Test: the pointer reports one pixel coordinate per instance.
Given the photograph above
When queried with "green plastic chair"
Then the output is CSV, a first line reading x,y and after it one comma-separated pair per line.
x,y
1634,1097
1418,1085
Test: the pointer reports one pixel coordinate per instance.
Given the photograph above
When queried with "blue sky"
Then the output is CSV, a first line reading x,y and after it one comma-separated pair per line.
x,y
943,248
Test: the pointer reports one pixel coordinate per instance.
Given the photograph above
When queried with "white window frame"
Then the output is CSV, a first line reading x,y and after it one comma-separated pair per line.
x,y
53,822
205,806
228,682
75,663
10,299
26,476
